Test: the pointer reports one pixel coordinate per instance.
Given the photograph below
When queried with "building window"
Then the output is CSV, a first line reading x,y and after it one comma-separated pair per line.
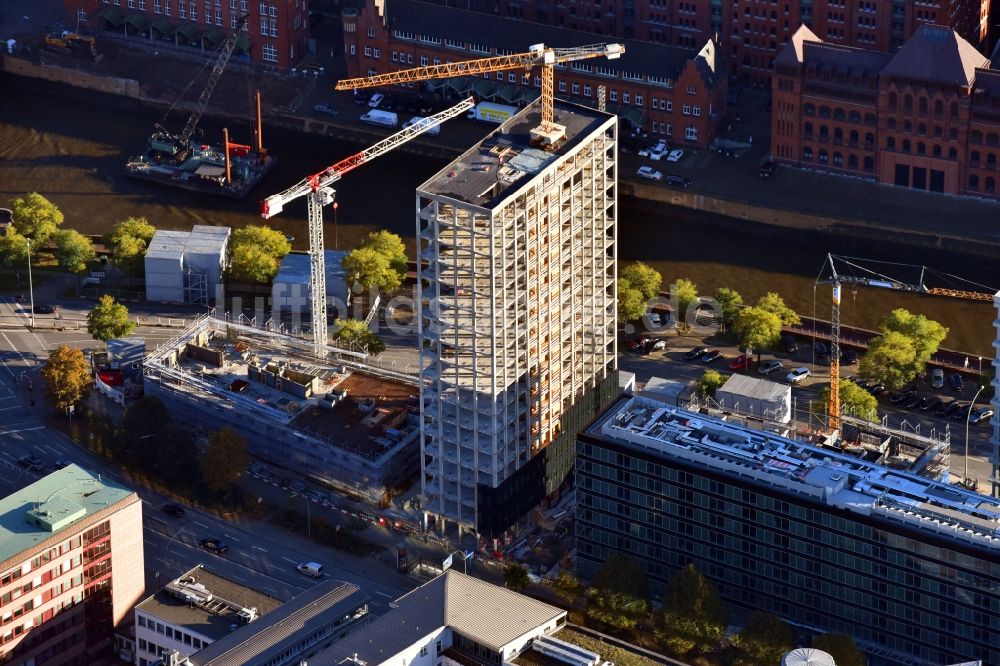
x,y
686,110
670,129
131,5
157,7
670,106
613,96
625,98
576,88
437,61
371,32
354,49
270,53
274,26
368,52
511,77
376,53
691,89
586,90
638,100
696,110
838,159
691,133
562,86
395,56
807,154
423,61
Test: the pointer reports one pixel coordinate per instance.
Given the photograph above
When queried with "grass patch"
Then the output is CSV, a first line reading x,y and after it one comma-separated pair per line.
x,y
617,655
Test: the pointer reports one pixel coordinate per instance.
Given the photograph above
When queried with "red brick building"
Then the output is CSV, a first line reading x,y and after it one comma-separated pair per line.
x,y
276,33
927,117
751,32
671,92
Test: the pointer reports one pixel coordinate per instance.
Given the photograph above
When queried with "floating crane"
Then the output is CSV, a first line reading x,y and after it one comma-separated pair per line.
x,y
548,132
846,270
319,192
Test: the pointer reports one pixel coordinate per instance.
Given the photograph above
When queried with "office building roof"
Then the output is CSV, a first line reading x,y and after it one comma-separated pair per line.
x,y
501,163
206,603
262,640
52,504
485,613
295,268
826,476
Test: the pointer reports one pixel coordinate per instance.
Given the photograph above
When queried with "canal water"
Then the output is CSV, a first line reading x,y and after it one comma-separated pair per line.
x,y
73,152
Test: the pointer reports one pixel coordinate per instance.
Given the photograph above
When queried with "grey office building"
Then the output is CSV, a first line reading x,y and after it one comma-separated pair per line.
x,y
910,567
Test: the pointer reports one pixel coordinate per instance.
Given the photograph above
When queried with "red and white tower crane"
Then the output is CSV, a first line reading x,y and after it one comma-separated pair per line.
x,y
318,190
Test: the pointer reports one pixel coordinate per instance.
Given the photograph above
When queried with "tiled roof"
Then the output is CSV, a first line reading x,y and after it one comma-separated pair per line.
x,y
939,55
432,20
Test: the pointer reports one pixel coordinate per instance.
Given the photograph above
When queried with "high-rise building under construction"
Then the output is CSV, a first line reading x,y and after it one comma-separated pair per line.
x,y
516,275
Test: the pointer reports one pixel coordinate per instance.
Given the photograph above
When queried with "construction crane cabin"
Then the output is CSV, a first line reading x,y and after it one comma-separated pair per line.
x,y
548,133
318,191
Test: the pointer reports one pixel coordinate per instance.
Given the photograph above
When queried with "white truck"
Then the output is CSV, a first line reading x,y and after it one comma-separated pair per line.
x,y
434,131
488,112
381,118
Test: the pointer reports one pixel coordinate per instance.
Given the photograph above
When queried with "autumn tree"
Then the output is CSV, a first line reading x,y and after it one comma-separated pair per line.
x,y
773,302
36,217
128,243
73,251
109,319
694,618
355,334
758,329
619,593
255,253
67,377
224,460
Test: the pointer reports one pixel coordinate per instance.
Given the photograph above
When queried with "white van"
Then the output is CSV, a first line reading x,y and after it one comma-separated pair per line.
x,y
383,118
434,131
313,569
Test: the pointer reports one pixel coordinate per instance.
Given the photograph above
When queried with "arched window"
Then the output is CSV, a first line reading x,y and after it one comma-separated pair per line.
x,y
991,184
975,136
838,114
869,139
974,182
838,159
938,108
852,162
824,132
823,156
807,153
824,112
854,117
893,100
854,137
890,143
922,106
869,163
936,150
809,109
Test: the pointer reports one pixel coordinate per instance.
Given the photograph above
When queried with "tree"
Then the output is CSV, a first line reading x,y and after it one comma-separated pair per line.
x,y
631,302
355,333
108,319
372,269
694,617
854,401
36,217
842,648
891,359
73,250
67,377
619,593
389,245
224,460
642,277
711,382
772,302
568,586
686,293
729,301
14,248
925,334
763,640
515,577
255,252
128,243
758,329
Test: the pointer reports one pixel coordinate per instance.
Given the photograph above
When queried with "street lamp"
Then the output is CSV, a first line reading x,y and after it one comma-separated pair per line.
x,y
968,416
31,286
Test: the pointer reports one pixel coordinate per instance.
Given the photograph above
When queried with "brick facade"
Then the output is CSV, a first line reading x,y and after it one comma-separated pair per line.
x,y
927,117
277,31
671,92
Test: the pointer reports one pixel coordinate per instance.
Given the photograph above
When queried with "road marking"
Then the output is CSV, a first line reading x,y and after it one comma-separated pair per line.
x,y
14,432
387,596
204,527
288,560
263,550
231,538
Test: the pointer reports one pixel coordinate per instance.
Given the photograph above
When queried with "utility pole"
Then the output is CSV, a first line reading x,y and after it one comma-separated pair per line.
x,y
31,286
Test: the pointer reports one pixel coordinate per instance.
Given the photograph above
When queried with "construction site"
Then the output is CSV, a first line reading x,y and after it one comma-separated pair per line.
x,y
352,431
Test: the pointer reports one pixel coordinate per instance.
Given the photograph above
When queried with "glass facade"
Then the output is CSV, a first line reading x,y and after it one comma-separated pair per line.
x,y
907,596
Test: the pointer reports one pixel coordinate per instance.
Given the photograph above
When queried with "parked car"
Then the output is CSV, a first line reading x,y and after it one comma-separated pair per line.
x,y
789,344
901,396
31,462
770,367
821,349
362,96
952,407
649,173
644,152
912,401
797,375
929,404
695,353
945,405
848,357
980,415
937,378
658,151
711,357
174,511
741,362
961,412
45,308
675,155
375,100
876,388
313,569
955,382
216,546
678,180
766,169
327,109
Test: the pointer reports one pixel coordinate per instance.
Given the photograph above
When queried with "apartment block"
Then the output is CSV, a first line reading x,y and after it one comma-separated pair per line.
x,y
926,117
677,93
71,567
517,251
907,565
277,32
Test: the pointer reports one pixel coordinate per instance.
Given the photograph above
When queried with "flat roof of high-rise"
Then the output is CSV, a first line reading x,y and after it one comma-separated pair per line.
x,y
824,475
505,160
55,502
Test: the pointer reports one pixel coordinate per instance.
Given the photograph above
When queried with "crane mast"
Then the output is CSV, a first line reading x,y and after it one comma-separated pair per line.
x,y
318,191
548,131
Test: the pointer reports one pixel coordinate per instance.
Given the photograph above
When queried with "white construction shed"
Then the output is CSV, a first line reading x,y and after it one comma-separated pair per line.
x,y
186,266
757,398
291,284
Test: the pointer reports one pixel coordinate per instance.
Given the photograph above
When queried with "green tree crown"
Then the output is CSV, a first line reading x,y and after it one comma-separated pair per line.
x,y
36,217
74,251
108,320
642,277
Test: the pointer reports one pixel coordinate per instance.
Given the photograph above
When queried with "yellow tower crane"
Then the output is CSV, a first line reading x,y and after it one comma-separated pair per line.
x,y
548,132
